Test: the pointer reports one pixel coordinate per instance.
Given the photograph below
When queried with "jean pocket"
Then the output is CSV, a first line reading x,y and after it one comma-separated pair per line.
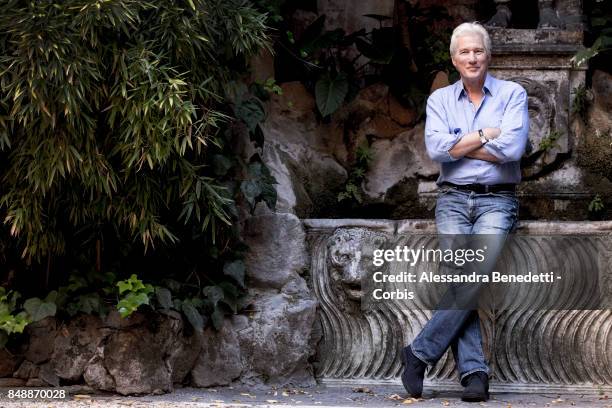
x,y
444,190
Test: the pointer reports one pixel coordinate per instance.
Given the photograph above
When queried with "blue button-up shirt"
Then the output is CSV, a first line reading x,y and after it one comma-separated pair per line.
x,y
450,115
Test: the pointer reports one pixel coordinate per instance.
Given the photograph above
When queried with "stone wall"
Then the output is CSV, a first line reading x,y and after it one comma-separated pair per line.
x,y
312,158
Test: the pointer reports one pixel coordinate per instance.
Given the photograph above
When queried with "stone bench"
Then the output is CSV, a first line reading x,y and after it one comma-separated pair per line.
x,y
528,350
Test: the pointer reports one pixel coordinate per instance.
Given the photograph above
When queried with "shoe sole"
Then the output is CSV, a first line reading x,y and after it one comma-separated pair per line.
x,y
406,387
475,398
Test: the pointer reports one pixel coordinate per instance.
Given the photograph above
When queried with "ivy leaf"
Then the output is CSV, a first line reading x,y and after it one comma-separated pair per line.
x,y
214,294
235,269
131,302
193,316
330,93
89,303
164,297
251,190
51,297
124,286
251,112
38,310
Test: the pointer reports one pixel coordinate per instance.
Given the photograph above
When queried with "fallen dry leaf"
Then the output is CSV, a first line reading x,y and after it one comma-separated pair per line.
x,y
445,403
272,401
394,397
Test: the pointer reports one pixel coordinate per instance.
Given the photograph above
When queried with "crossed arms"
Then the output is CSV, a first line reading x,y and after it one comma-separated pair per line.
x,y
507,143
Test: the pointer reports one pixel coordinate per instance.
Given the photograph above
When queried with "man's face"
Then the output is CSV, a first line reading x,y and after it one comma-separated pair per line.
x,y
470,58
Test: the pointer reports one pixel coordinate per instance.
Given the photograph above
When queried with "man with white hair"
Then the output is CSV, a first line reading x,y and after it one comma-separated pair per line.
x,y
477,130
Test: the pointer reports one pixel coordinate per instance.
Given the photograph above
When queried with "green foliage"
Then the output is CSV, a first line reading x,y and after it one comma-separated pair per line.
x,y
163,297
580,101
272,8
10,322
15,317
270,86
596,205
352,189
330,93
550,141
84,293
600,18
259,186
134,294
194,317
404,56
39,309
107,111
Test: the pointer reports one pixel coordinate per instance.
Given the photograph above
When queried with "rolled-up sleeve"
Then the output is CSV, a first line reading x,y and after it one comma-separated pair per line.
x,y
511,143
438,140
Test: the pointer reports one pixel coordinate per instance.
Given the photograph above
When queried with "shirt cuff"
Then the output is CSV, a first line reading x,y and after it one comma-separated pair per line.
x,y
495,150
450,144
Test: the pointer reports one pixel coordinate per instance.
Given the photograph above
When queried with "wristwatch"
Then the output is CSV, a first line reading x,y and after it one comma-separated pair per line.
x,y
483,139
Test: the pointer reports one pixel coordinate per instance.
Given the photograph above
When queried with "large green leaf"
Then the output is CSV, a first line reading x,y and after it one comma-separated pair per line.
x,y
164,297
330,93
38,310
193,316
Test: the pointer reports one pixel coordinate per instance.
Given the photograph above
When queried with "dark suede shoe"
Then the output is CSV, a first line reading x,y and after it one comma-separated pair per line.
x,y
476,387
413,374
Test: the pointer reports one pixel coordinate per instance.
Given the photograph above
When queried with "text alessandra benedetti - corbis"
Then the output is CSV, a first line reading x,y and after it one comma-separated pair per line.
x,y
494,277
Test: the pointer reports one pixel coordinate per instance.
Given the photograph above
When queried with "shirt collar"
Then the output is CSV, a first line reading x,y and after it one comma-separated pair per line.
x,y
488,87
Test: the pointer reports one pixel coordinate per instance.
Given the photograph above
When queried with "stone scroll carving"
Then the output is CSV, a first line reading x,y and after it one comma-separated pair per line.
x,y
558,349
540,61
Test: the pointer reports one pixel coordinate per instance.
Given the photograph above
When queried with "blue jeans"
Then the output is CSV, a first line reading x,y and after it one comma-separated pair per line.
x,y
465,212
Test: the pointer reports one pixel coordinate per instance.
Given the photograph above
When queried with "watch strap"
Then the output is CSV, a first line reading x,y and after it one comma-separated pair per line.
x,y
483,139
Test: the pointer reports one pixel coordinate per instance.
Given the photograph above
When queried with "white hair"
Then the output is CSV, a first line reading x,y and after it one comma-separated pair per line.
x,y
470,29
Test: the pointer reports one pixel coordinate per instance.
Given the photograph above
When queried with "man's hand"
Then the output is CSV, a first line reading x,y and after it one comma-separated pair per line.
x,y
482,154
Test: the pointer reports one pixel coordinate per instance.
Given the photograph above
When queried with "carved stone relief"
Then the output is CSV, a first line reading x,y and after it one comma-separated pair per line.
x,y
540,60
528,350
